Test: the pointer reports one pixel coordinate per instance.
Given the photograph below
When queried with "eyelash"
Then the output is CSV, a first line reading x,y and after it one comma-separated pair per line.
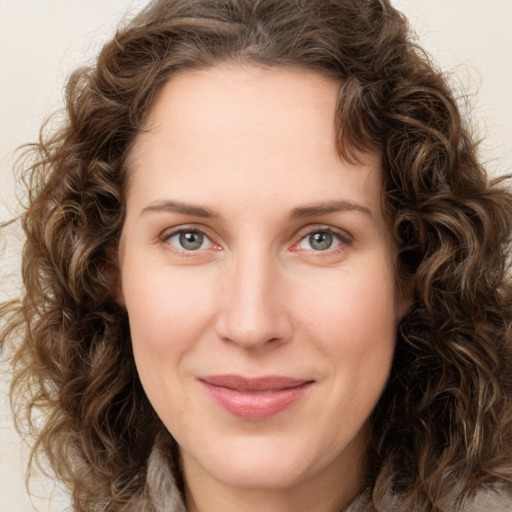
x,y
343,238
166,237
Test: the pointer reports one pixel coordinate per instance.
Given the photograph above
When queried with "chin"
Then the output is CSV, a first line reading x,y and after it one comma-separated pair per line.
x,y
259,472
263,462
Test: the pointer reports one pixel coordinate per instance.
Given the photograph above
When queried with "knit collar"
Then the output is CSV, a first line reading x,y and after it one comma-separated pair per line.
x,y
164,495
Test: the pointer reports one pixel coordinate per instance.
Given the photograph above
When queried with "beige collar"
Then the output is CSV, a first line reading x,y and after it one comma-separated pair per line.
x,y
163,494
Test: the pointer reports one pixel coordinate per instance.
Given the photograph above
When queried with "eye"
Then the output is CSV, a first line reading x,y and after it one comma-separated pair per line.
x,y
320,240
189,240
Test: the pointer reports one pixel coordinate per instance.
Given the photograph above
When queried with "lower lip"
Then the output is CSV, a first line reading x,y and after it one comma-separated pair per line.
x,y
256,405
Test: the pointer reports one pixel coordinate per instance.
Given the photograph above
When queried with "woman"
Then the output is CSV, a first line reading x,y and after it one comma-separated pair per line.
x,y
264,270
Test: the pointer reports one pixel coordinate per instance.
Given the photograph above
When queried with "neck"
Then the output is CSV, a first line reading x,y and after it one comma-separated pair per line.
x,y
328,491
270,501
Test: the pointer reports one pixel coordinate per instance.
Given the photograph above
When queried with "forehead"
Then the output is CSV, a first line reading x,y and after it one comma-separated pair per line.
x,y
231,129
268,105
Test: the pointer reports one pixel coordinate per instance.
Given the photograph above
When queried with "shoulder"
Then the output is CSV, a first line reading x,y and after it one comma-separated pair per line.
x,y
498,499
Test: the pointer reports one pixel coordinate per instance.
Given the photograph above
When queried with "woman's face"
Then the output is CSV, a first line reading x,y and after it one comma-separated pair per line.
x,y
258,275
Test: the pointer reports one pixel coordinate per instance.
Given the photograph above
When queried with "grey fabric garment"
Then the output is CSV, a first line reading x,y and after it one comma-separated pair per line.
x,y
499,500
492,502
162,489
162,494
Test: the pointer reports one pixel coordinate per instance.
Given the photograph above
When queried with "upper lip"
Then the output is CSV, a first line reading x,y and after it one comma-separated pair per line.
x,y
239,383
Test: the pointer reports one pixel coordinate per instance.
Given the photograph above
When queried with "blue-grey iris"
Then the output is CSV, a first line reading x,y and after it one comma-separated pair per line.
x,y
191,240
320,241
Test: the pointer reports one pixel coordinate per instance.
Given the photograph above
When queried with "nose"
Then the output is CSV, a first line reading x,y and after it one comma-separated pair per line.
x,y
254,312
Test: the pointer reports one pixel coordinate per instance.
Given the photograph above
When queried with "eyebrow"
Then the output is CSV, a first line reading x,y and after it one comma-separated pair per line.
x,y
327,208
300,212
178,207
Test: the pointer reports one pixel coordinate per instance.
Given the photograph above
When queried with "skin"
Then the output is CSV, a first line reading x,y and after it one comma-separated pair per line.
x,y
253,151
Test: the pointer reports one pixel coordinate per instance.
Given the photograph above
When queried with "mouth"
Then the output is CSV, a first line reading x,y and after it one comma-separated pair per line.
x,y
255,399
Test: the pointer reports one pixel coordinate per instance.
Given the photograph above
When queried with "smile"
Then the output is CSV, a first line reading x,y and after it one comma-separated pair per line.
x,y
255,399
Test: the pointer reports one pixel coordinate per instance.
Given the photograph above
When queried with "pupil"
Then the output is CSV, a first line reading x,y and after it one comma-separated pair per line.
x,y
191,240
320,241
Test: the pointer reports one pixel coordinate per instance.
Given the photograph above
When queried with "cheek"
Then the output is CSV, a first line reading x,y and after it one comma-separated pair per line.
x,y
370,313
353,306
165,320
166,326
354,321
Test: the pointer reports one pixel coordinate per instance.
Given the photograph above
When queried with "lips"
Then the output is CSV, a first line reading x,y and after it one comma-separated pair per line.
x,y
255,399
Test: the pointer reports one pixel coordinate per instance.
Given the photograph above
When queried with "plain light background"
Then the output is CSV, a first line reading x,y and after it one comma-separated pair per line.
x,y
41,41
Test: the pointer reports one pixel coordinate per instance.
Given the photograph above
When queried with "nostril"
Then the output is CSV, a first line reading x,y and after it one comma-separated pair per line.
x,y
252,312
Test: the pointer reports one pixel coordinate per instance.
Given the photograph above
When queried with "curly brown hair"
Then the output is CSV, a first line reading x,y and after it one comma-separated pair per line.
x,y
443,427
